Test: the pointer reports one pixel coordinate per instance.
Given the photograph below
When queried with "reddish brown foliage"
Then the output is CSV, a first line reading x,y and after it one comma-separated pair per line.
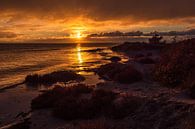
x,y
52,78
176,65
69,103
146,60
122,73
51,97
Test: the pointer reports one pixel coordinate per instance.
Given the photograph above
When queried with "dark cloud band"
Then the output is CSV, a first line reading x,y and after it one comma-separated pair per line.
x,y
103,9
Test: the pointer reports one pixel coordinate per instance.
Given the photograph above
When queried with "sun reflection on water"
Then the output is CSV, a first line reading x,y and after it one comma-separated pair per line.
x,y
79,56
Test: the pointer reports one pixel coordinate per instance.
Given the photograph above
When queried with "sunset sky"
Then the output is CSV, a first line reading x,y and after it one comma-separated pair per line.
x,y
34,20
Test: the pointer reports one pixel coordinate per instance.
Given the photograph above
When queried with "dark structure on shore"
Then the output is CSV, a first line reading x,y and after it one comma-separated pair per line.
x,y
156,39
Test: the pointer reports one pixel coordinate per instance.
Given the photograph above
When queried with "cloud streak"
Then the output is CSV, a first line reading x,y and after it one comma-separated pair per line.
x,y
56,19
8,35
103,9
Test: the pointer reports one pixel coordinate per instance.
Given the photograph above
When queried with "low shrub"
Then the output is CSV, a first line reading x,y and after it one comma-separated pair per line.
x,y
176,64
137,46
122,73
71,108
72,104
192,90
108,71
22,125
146,60
52,78
102,99
128,75
51,97
124,107
97,124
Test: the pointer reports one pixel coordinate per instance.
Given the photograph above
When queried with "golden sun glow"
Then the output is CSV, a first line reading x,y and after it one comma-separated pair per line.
x,y
78,35
78,31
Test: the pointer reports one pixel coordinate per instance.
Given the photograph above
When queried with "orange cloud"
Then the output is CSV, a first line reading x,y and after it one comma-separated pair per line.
x,y
43,19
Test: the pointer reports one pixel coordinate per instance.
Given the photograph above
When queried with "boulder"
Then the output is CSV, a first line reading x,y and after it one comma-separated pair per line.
x,y
115,59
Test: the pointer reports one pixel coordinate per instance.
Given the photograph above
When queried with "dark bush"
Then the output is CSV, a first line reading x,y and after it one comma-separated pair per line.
x,y
98,124
22,125
108,71
137,46
128,75
124,107
140,55
149,54
71,103
54,77
146,60
122,73
192,90
71,108
51,97
176,64
102,99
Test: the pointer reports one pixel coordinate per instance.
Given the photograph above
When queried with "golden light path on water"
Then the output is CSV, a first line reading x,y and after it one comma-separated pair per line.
x,y
80,59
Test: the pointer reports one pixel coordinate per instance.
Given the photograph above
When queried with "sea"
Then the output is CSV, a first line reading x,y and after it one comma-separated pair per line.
x,y
20,59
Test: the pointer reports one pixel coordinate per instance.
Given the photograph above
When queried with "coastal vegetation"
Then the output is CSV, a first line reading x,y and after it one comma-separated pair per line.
x,y
52,78
177,65
143,92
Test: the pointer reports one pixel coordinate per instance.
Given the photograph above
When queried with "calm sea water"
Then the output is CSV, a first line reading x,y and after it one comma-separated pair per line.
x,y
19,60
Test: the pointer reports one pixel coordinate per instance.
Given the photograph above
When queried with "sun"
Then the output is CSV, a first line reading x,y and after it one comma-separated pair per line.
x,y
78,35
78,32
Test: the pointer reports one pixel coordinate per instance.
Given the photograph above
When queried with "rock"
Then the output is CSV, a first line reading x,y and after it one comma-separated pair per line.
x,y
115,59
32,79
